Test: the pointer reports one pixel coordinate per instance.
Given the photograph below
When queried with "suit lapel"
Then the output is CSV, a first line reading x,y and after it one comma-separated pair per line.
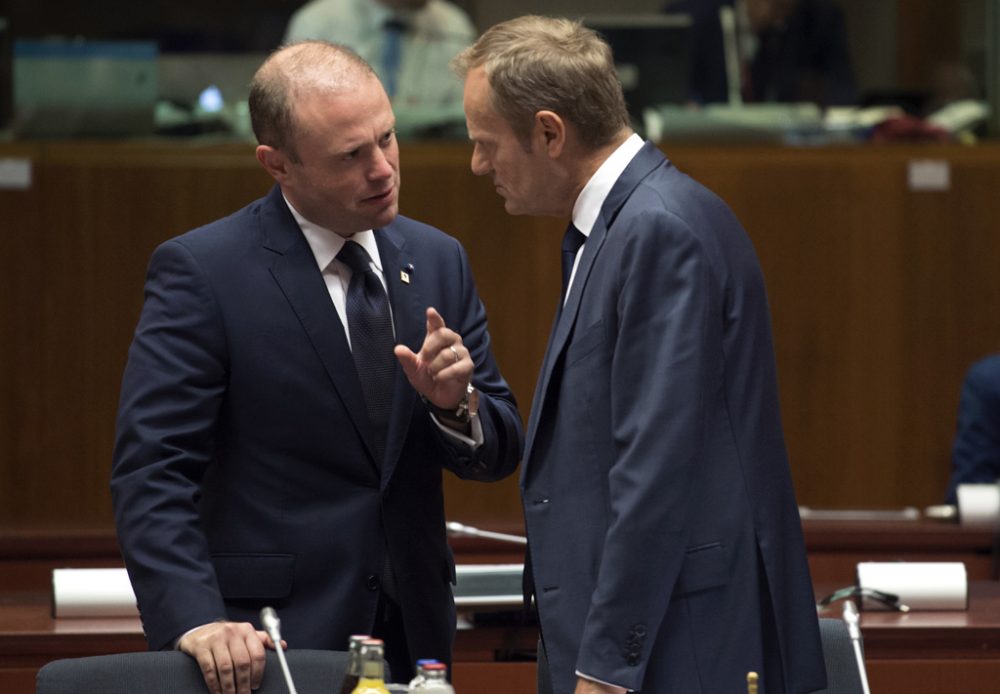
x,y
561,330
645,161
295,270
408,308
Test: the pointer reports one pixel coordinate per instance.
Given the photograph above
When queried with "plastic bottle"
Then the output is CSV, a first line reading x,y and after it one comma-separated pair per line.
x,y
436,680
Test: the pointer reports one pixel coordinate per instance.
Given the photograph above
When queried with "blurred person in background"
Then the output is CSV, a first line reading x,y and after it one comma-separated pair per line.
x,y
409,43
975,454
790,51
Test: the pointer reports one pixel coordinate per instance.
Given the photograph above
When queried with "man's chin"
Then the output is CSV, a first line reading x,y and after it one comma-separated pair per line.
x,y
385,216
512,207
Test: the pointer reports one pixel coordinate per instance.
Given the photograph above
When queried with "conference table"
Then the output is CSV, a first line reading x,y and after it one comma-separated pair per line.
x,y
955,652
915,653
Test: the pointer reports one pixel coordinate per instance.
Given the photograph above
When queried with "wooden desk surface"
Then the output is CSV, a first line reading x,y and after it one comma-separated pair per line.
x,y
836,547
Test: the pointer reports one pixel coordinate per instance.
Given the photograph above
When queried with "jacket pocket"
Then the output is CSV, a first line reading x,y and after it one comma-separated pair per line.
x,y
254,576
585,342
705,566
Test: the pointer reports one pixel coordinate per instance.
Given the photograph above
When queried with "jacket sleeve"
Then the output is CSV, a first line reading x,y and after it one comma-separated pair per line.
x,y
170,397
976,451
503,436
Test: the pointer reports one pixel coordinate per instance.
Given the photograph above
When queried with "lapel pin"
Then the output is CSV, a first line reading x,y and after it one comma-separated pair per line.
x,y
404,274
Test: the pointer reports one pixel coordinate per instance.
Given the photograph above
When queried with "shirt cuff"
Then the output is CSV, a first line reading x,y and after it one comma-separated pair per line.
x,y
475,438
177,643
594,679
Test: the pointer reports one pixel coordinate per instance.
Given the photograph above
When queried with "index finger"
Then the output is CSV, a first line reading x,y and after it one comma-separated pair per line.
x,y
434,320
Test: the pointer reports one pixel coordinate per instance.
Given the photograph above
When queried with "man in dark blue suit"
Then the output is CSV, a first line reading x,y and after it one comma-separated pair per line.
x,y
665,548
251,467
792,51
975,455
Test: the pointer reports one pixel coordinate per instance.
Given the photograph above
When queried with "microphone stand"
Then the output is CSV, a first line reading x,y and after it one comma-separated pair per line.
x,y
853,628
469,531
272,625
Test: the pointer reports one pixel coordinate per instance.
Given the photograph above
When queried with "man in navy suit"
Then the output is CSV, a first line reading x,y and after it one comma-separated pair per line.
x,y
249,468
665,548
975,455
792,51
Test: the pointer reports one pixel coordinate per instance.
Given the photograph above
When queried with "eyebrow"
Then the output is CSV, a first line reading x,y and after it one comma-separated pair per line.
x,y
361,144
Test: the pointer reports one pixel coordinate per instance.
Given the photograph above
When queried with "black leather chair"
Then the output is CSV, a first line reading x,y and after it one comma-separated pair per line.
x,y
842,673
173,672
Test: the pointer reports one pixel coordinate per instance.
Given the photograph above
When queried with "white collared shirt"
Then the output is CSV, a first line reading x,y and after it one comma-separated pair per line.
x,y
591,199
325,246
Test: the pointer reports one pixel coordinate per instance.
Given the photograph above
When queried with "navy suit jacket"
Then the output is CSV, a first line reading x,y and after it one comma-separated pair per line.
x,y
663,531
807,60
976,453
244,471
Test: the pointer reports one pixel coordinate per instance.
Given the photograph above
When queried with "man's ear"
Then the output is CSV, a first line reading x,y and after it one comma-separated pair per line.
x,y
274,162
550,130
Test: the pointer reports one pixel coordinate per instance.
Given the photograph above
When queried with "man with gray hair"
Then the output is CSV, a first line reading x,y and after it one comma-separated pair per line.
x,y
302,372
665,552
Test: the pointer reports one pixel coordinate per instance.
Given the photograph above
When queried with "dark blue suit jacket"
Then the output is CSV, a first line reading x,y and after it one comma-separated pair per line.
x,y
244,472
976,453
663,531
807,60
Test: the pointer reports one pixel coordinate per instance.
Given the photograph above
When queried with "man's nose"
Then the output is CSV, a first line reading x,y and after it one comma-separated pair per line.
x,y
381,166
480,165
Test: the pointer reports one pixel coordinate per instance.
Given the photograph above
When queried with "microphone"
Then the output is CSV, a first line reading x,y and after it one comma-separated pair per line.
x,y
854,629
468,530
272,625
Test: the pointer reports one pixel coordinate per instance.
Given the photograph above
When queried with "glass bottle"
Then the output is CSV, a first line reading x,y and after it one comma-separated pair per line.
x,y
418,681
353,664
372,668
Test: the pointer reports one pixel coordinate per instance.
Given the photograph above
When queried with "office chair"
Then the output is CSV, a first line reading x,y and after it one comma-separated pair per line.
x,y
842,676
173,672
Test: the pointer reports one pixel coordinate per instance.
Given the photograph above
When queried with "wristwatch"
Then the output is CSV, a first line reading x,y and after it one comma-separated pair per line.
x,y
467,408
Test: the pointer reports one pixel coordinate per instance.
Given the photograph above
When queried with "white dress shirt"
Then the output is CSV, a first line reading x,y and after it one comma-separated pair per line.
x,y
591,199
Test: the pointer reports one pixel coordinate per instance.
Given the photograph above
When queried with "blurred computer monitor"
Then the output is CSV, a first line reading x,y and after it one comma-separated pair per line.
x,y
652,54
74,88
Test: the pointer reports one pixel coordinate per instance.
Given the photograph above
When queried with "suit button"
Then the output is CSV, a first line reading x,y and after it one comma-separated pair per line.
x,y
372,583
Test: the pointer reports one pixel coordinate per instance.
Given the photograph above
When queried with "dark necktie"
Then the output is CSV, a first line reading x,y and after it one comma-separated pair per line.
x,y
572,240
370,325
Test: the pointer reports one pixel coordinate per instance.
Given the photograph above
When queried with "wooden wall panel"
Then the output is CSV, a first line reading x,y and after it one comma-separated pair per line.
x,y
881,297
76,246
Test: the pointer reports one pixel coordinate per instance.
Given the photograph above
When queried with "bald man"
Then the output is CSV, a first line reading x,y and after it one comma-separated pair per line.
x,y
280,440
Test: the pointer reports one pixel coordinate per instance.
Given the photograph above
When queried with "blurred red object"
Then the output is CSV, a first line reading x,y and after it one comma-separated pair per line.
x,y
908,129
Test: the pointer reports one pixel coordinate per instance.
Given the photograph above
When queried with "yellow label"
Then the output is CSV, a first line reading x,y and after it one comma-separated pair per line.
x,y
368,686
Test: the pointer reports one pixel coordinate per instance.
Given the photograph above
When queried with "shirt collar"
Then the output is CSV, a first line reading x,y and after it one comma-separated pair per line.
x,y
326,244
591,199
